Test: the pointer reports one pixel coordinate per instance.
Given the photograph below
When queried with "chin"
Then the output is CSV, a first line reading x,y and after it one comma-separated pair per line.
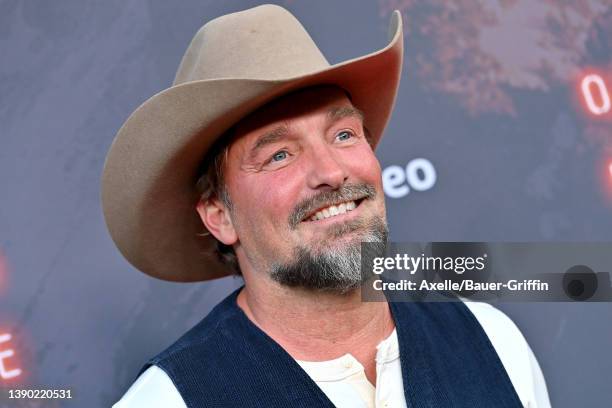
x,y
350,235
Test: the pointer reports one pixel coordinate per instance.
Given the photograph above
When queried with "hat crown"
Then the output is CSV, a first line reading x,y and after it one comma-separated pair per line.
x,y
264,42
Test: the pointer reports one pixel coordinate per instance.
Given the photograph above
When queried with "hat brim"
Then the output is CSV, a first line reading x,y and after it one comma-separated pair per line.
x,y
148,183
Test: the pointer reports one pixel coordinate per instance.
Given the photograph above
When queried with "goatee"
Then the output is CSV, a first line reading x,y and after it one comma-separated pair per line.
x,y
333,269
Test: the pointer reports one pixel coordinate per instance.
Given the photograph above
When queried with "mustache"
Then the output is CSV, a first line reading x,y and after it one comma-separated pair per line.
x,y
348,192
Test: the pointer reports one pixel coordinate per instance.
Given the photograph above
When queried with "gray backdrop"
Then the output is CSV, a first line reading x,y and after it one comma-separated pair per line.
x,y
490,99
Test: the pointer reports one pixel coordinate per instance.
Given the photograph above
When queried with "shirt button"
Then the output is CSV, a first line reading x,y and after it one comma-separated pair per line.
x,y
348,363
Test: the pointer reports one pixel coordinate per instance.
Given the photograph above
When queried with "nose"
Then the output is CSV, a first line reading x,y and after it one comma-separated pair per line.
x,y
326,171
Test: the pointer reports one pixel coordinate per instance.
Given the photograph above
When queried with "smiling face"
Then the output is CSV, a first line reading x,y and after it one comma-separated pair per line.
x,y
306,190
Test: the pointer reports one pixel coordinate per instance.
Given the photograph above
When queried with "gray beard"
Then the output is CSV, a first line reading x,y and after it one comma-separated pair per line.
x,y
333,269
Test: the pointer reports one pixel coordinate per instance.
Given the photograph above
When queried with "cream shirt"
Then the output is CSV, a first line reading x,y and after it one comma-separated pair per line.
x,y
344,382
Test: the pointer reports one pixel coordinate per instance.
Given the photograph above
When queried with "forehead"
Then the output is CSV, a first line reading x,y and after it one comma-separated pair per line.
x,y
296,106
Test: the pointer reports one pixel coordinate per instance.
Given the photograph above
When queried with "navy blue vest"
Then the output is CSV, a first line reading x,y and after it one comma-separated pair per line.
x,y
447,360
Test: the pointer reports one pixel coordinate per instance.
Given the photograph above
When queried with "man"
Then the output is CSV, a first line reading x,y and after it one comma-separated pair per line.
x,y
270,148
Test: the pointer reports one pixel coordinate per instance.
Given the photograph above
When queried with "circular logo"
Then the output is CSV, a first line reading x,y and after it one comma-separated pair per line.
x,y
580,283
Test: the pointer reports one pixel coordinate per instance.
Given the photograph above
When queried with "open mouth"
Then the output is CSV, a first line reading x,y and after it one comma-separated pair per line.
x,y
333,210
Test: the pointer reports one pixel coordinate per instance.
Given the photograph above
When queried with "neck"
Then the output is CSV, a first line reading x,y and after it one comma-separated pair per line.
x,y
315,326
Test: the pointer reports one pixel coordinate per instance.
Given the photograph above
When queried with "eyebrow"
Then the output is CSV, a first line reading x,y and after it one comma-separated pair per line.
x,y
334,114
270,137
341,112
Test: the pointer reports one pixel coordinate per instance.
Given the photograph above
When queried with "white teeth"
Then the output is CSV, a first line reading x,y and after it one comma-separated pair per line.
x,y
333,210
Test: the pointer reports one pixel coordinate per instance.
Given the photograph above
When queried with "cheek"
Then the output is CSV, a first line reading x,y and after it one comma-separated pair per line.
x,y
263,201
366,168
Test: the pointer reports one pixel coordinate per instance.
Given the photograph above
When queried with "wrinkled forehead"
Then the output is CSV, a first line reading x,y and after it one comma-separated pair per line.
x,y
332,100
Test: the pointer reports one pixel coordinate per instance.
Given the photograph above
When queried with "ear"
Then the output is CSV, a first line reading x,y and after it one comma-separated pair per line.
x,y
216,217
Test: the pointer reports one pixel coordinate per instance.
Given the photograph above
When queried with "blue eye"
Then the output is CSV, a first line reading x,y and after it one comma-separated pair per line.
x,y
278,156
344,135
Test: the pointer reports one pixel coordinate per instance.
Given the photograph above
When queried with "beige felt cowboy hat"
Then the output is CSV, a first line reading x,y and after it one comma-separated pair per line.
x,y
235,64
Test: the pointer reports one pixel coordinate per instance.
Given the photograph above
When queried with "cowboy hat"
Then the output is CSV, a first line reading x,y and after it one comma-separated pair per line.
x,y
235,64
